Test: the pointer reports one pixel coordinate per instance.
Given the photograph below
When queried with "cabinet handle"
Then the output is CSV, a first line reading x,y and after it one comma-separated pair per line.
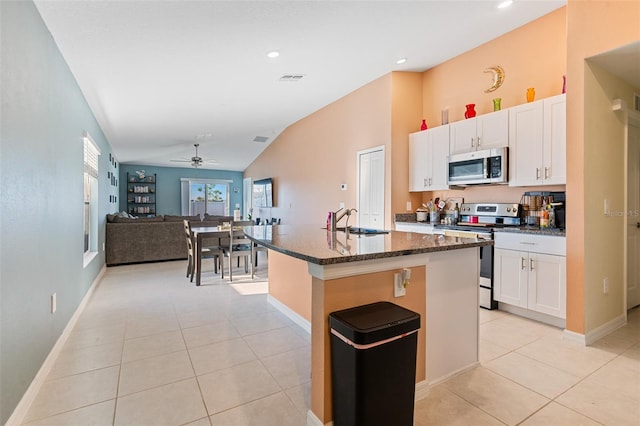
x,y
425,182
531,264
430,181
537,173
527,243
478,141
472,143
546,172
523,264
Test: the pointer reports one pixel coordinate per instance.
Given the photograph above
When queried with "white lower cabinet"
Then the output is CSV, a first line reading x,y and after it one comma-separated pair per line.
x,y
530,272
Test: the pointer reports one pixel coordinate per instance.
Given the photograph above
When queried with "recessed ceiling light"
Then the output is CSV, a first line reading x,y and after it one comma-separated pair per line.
x,y
273,54
505,3
401,61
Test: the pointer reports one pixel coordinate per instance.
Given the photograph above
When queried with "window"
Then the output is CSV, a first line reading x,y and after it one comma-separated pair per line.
x,y
91,154
205,196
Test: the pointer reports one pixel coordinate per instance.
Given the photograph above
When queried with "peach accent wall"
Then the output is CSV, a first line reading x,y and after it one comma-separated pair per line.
x,y
290,283
334,295
313,156
593,27
533,55
406,117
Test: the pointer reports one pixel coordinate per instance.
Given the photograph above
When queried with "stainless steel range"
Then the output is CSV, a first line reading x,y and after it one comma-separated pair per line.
x,y
478,220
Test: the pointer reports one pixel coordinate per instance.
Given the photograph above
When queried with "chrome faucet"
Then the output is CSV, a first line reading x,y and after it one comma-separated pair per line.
x,y
337,216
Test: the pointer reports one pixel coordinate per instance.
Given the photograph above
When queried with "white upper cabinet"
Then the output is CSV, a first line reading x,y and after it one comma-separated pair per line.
x,y
537,142
428,152
481,132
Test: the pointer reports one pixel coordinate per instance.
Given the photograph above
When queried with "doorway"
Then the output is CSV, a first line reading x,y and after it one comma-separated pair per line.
x,y
633,214
371,188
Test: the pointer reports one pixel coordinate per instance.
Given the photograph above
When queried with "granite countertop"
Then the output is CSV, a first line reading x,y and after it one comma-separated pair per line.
x,y
316,245
555,232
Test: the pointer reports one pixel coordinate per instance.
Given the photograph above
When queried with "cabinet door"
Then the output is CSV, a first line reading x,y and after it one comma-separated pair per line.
x,y
492,130
439,144
555,140
547,284
419,162
510,277
462,136
525,144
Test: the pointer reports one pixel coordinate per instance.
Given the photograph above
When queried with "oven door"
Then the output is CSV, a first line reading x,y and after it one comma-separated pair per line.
x,y
486,278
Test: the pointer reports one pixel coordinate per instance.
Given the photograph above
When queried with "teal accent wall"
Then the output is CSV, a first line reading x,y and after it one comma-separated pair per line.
x,y
43,116
168,185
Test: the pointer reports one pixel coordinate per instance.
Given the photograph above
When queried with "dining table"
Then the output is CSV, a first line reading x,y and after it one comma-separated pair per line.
x,y
200,233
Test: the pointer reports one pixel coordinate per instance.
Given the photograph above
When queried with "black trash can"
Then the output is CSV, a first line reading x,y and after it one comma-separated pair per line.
x,y
373,364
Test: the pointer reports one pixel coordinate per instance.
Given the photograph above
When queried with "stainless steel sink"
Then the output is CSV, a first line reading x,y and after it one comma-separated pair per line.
x,y
361,231
366,231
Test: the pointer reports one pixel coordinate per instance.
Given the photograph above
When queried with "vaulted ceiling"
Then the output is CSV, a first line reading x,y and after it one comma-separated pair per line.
x,y
163,75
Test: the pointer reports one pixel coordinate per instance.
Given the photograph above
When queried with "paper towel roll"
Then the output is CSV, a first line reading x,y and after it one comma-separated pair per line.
x,y
236,215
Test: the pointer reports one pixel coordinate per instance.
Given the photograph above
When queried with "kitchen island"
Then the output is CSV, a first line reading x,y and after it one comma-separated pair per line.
x,y
313,272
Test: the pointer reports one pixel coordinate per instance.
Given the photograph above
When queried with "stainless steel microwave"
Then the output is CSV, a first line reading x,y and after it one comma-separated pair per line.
x,y
489,166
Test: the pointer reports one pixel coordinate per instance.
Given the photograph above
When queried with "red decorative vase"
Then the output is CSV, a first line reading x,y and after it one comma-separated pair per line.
x,y
470,112
424,125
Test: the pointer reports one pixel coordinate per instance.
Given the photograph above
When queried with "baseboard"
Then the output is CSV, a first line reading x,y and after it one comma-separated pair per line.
x,y
572,336
453,373
594,335
422,390
533,315
312,420
289,313
29,396
605,329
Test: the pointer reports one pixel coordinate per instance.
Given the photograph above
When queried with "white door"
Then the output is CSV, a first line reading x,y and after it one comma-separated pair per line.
x,y
462,136
511,275
525,144
371,188
633,218
555,141
419,167
547,284
493,130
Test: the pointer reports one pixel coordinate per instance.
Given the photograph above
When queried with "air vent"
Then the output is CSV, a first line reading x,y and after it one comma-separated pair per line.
x,y
636,102
261,139
291,77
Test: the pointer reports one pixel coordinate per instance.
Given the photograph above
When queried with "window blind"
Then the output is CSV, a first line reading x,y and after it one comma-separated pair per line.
x,y
91,154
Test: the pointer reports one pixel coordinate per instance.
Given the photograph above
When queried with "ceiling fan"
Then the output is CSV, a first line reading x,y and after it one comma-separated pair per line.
x,y
196,161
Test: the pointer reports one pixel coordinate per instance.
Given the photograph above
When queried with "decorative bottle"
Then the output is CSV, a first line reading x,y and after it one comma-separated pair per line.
x,y
496,104
470,112
531,94
424,125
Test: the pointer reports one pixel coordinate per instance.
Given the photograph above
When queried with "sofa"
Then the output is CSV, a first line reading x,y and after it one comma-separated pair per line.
x,y
149,239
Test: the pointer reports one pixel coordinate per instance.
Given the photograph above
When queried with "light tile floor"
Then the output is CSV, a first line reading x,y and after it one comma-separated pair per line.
x,y
153,349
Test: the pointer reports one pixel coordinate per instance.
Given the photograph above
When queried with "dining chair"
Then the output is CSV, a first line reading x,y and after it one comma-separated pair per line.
x,y
209,250
239,246
255,248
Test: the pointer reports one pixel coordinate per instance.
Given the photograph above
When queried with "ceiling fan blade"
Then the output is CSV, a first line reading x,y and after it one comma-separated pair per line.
x,y
181,161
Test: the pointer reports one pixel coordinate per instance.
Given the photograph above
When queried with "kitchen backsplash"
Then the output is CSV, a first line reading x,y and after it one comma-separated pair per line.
x,y
488,193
